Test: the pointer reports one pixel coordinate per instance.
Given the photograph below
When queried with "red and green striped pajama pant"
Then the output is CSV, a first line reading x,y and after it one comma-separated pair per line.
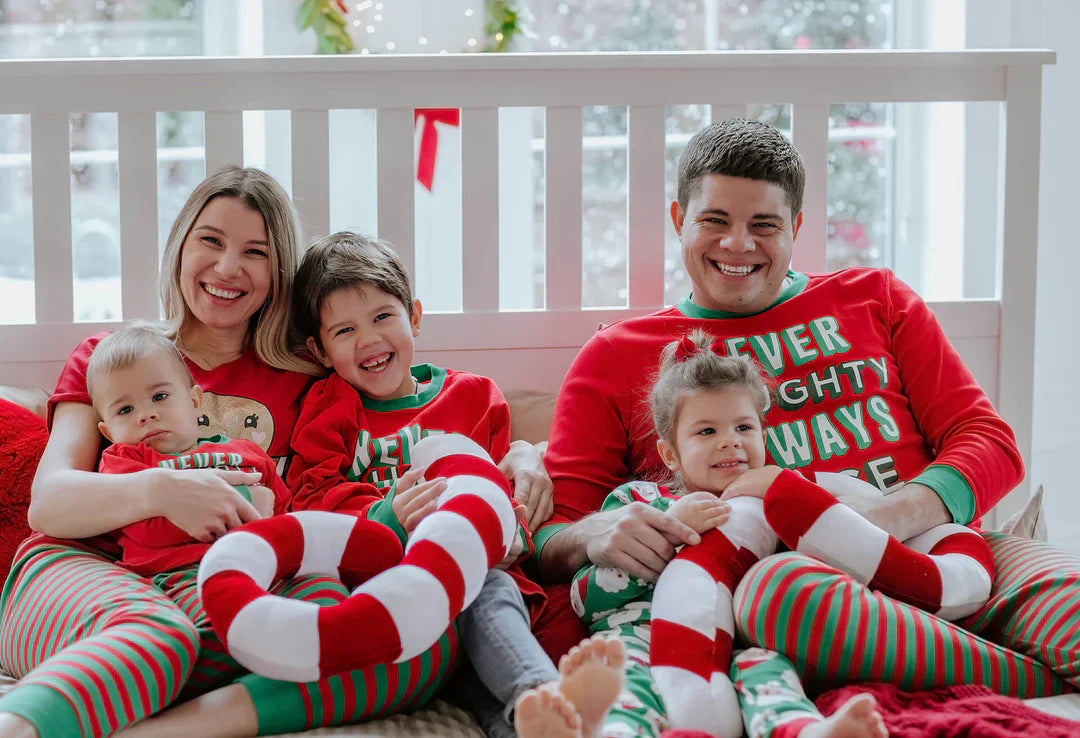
x,y
1025,642
97,647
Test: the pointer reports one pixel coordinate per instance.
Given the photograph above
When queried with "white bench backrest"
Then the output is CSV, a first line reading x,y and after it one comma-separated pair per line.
x,y
519,349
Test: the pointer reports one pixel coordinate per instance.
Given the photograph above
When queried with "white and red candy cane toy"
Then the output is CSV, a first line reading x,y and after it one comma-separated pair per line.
x,y
403,604
947,571
693,621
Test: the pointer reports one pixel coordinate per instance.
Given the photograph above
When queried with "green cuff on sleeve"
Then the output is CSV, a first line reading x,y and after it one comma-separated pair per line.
x,y
953,490
382,511
539,538
243,491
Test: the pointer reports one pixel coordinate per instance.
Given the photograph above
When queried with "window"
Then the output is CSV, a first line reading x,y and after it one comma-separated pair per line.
x,y
893,195
29,28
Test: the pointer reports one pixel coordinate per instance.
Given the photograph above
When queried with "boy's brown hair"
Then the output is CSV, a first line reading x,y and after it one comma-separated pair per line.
x,y
339,261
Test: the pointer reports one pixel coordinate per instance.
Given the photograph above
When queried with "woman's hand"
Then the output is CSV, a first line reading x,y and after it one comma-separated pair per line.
x,y
753,483
702,511
524,467
202,502
415,500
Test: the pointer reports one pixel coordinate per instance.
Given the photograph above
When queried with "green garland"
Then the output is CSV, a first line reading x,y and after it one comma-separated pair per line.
x,y
504,23
327,17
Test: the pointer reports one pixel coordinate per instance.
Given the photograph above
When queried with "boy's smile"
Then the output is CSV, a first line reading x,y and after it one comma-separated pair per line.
x,y
366,336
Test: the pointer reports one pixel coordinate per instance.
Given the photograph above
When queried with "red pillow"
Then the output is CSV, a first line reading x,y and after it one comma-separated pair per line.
x,y
22,439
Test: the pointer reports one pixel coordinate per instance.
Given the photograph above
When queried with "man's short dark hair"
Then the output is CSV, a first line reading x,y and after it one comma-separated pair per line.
x,y
339,261
738,147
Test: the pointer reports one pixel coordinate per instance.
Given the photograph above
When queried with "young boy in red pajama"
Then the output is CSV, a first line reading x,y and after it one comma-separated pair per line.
x,y
352,453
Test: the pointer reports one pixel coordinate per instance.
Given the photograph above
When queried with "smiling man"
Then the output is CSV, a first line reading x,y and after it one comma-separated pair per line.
x,y
866,385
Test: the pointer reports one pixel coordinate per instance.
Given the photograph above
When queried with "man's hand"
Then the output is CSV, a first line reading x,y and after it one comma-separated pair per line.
x,y
638,539
752,483
415,500
903,514
262,498
701,511
524,467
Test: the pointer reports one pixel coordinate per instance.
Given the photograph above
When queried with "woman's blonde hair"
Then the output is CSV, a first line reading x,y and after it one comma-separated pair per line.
x,y
269,328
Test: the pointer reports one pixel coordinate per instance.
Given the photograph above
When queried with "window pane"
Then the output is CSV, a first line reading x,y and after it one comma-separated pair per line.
x,y
16,222
438,217
95,217
521,208
859,209
860,162
603,192
180,165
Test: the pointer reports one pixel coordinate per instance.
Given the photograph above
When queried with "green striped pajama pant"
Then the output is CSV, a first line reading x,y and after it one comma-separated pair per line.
x,y
1024,643
97,647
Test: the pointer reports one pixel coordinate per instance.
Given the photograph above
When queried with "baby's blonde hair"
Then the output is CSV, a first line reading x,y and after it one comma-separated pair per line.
x,y
694,368
134,342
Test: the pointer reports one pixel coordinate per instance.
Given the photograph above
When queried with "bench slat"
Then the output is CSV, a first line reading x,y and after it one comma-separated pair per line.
x,y
480,209
645,205
311,170
562,207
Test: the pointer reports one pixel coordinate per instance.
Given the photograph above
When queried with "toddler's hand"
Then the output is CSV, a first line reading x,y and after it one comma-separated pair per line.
x,y
701,511
753,483
262,498
413,500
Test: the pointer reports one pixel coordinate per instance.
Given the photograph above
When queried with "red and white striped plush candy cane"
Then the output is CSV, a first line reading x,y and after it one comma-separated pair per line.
x,y
403,604
693,621
948,570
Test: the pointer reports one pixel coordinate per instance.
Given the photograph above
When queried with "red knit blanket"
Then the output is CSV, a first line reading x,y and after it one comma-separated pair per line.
x,y
946,712
22,439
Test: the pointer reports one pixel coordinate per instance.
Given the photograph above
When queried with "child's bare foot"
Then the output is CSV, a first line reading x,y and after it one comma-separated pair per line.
x,y
856,718
591,678
546,713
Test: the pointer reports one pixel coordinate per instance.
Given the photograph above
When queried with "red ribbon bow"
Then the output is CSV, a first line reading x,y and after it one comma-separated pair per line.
x,y
429,140
685,349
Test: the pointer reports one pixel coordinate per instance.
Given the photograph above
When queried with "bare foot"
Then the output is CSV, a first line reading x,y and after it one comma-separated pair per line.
x,y
591,678
856,718
546,713
13,726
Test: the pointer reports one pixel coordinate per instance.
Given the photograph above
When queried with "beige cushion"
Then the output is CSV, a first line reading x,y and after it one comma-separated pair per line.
x,y
1029,522
530,414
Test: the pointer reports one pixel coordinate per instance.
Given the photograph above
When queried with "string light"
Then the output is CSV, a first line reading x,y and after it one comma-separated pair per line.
x,y
468,12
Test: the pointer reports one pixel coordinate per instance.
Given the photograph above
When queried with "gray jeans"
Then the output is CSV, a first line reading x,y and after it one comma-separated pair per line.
x,y
496,636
